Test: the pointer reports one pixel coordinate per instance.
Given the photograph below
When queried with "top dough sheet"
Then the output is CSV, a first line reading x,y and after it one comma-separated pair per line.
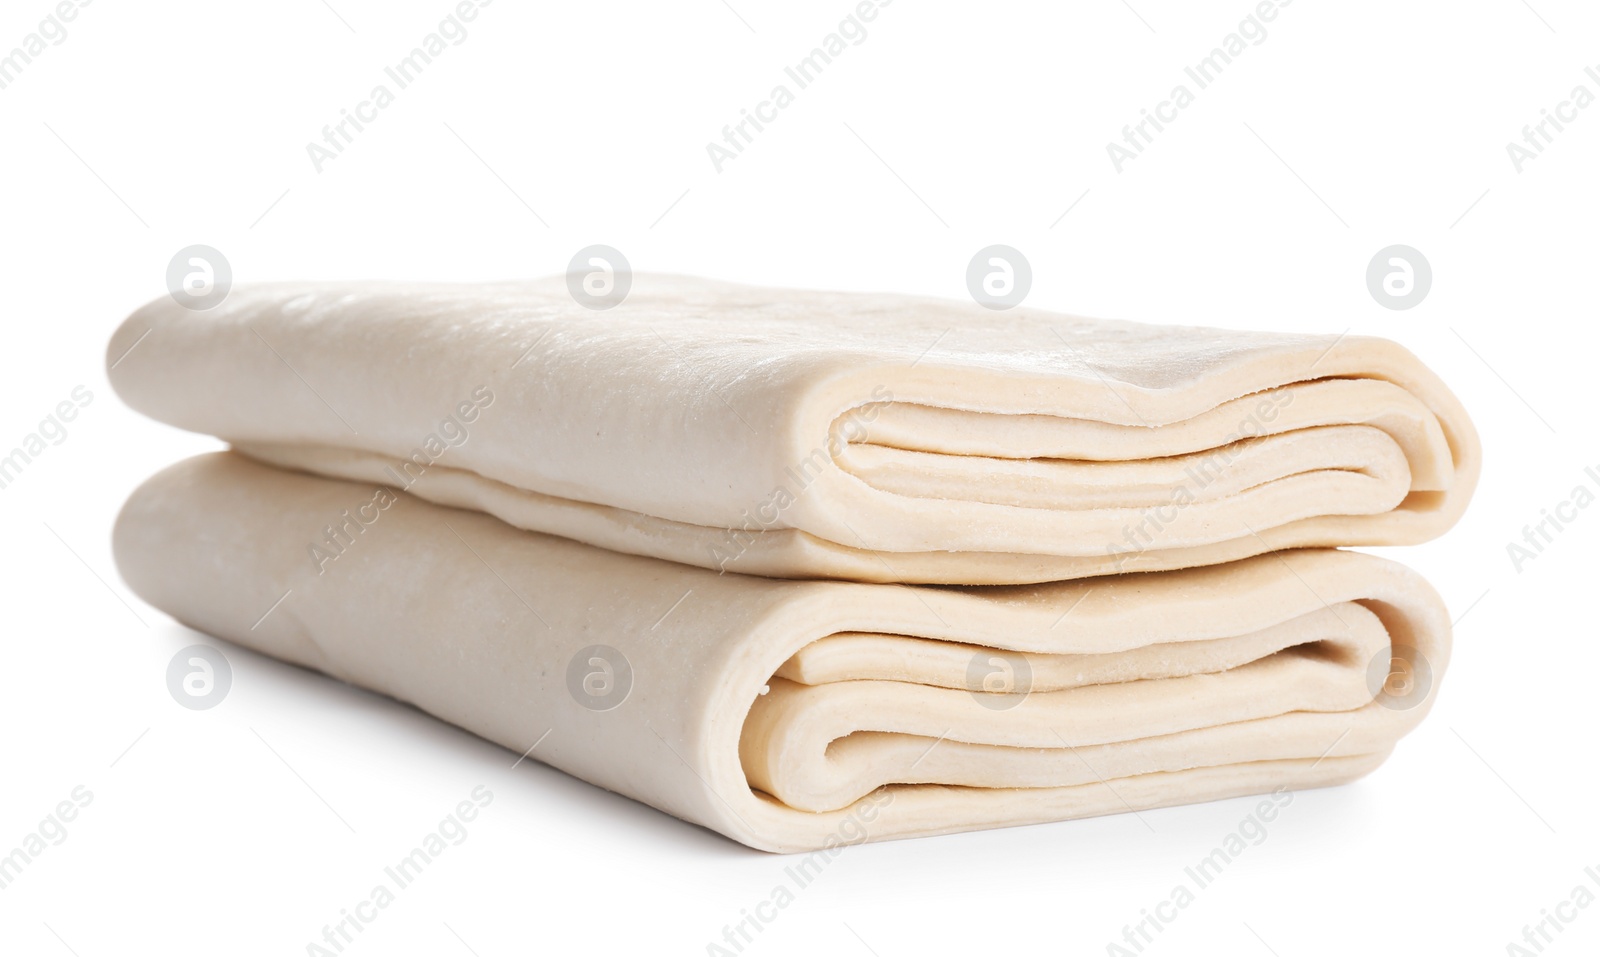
x,y
821,435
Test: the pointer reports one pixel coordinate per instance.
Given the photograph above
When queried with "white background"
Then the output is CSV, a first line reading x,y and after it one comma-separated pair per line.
x,y
1351,127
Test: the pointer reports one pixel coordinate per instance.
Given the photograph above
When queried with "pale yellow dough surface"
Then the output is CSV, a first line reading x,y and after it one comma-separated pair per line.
x,y
822,435
795,715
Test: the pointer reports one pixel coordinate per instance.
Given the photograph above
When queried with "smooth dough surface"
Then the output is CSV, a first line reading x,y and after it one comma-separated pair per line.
x,y
798,715
821,435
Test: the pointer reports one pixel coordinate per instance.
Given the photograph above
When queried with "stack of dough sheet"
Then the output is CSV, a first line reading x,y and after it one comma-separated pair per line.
x,y
818,435
799,715
813,568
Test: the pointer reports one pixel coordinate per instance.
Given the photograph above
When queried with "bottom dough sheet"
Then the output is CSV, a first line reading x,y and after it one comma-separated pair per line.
x,y
795,715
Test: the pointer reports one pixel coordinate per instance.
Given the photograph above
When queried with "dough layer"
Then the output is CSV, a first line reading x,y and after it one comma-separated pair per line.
x,y
821,435
797,715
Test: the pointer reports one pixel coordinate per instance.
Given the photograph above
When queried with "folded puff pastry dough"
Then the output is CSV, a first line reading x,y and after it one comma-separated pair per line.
x,y
821,435
798,715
